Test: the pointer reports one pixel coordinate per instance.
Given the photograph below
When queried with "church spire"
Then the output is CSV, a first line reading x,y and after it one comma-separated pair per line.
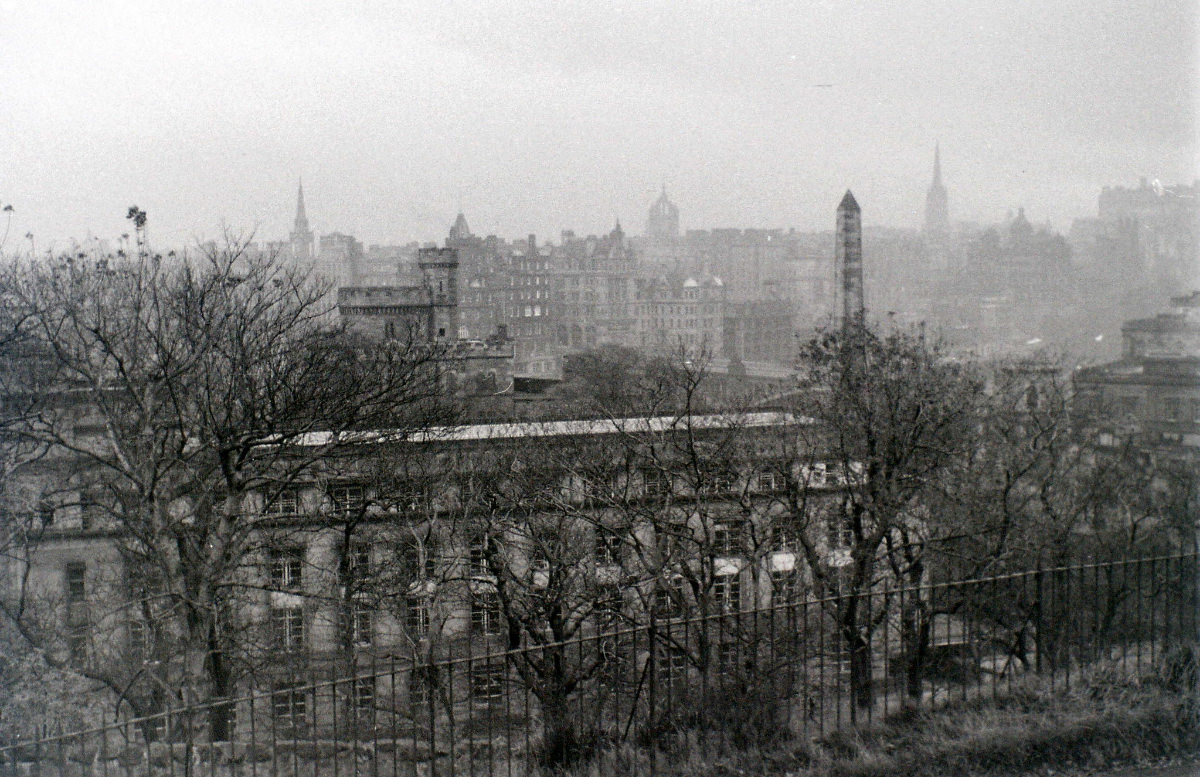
x,y
937,206
301,216
302,237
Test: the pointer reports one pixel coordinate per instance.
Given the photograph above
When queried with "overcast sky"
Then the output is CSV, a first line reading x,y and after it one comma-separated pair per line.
x,y
541,116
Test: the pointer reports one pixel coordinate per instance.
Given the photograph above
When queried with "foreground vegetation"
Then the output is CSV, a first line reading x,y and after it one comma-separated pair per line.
x,y
1105,720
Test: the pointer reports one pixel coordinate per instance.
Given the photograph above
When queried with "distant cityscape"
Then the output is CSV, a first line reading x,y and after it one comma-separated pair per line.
x,y
740,295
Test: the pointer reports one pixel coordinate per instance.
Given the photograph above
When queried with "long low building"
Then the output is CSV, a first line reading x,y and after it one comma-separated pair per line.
x,y
405,545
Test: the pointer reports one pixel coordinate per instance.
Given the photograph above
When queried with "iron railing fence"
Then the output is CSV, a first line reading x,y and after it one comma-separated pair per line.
x,y
625,699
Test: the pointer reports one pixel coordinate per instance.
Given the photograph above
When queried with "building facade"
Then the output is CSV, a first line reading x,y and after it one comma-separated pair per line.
x,y
382,555
1151,395
594,284
681,314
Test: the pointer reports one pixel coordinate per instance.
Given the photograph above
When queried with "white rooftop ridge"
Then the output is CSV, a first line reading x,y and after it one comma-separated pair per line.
x,y
553,428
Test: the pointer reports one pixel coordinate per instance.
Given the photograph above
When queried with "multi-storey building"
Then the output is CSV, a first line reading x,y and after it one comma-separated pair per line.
x,y
430,312
762,331
677,313
340,258
483,269
506,291
753,263
531,320
1152,394
1161,223
594,288
1016,284
379,555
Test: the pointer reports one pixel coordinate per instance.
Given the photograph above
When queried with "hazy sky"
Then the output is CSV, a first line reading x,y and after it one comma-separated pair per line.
x,y
541,116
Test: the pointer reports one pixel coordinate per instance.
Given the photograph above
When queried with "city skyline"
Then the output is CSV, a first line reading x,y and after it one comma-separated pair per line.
x,y
543,117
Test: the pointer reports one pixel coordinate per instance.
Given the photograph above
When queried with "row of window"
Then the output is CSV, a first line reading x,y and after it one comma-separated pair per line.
x,y
1175,409
292,704
84,514
344,498
487,681
654,482
486,616
419,558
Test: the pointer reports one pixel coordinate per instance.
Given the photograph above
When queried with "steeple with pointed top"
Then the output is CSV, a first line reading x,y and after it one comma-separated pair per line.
x,y
302,236
301,216
937,209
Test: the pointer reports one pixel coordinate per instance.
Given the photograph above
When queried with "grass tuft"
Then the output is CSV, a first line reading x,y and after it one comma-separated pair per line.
x,y
1104,718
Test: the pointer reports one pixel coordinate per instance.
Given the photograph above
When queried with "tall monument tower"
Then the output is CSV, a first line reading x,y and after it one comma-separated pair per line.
x,y
937,209
302,236
848,259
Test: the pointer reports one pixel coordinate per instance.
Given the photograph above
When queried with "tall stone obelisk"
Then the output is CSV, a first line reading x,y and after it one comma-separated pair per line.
x,y
848,258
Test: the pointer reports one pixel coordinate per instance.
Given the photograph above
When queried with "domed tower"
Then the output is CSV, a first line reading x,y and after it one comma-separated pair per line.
x,y
460,232
662,224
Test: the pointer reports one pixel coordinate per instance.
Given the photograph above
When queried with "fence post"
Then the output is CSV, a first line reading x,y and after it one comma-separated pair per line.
x,y
1039,625
1195,656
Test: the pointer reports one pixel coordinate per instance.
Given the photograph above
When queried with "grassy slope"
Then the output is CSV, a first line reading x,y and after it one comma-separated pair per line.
x,y
1102,720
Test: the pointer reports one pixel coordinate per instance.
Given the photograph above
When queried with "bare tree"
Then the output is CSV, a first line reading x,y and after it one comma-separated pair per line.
x,y
179,393
1044,486
541,564
695,485
890,412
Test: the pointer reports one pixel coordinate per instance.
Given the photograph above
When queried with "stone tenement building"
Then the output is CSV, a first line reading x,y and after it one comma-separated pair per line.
x,y
1016,283
1161,224
505,292
763,331
594,290
755,264
676,312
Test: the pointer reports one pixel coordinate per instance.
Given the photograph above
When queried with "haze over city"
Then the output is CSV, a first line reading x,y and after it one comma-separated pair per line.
x,y
543,116
646,387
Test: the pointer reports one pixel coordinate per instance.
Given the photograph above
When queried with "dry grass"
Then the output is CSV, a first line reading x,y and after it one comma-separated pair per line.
x,y
1104,718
